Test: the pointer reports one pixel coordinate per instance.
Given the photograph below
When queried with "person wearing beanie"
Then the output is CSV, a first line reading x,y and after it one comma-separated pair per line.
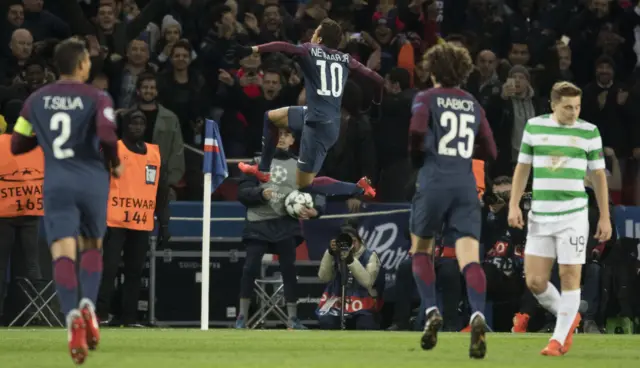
x,y
171,32
135,198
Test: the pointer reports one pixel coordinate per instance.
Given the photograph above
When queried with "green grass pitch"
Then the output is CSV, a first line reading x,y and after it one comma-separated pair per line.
x,y
184,348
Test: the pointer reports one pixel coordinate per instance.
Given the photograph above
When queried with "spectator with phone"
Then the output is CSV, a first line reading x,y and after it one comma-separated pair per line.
x,y
518,105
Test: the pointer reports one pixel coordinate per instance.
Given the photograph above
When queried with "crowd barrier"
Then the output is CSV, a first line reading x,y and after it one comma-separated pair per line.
x,y
175,270
172,277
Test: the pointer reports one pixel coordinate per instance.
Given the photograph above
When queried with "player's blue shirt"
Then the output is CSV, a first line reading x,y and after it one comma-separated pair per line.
x,y
325,74
65,117
444,125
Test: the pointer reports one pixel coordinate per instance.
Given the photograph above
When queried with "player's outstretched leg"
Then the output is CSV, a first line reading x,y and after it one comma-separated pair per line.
x,y
334,188
273,120
568,317
63,252
90,276
467,252
425,276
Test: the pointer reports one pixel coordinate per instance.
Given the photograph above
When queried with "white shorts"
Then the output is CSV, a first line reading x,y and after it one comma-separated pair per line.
x,y
564,239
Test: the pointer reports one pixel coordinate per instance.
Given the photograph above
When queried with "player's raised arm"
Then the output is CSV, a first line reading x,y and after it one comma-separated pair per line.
x,y
487,144
357,67
418,128
106,128
23,139
278,46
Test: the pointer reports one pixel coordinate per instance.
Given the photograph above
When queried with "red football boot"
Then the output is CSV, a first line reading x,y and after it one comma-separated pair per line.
x,y
92,325
77,335
520,323
553,349
254,171
365,184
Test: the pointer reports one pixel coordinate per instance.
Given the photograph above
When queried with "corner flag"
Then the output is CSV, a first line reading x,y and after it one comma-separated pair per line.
x,y
215,162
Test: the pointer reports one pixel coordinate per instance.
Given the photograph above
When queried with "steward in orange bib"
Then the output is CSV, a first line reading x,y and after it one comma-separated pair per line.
x,y
141,192
478,173
21,206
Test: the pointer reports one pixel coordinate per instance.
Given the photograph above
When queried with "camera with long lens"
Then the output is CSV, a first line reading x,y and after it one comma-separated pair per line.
x,y
344,242
491,199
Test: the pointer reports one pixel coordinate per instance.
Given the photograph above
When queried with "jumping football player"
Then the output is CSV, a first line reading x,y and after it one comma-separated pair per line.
x,y
318,124
70,120
560,148
445,124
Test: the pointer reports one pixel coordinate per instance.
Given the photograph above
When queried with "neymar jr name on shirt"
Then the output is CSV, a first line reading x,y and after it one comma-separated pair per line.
x,y
452,103
319,52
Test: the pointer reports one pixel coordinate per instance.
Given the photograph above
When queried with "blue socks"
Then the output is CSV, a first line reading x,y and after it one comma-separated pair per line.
x,y
333,188
425,276
64,276
269,143
90,273
476,286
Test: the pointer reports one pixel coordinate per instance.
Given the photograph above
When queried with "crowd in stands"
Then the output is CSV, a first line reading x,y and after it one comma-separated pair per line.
x,y
176,61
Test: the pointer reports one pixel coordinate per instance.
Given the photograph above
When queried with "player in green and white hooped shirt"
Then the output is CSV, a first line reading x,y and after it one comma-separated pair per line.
x,y
560,148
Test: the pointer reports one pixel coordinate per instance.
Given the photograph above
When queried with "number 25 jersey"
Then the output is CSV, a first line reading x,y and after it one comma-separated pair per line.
x,y
446,126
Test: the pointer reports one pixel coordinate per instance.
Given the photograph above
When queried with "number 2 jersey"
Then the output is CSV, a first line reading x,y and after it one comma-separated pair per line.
x,y
71,122
325,74
444,126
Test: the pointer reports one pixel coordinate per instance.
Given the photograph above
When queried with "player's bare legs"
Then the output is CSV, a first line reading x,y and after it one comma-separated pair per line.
x,y
90,275
63,253
468,254
304,179
279,117
273,121
425,277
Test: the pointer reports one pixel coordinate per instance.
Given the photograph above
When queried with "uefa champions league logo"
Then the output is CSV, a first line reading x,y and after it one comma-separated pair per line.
x,y
278,174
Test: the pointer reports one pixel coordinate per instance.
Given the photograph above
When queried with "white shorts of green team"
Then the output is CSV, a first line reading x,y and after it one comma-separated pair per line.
x,y
564,239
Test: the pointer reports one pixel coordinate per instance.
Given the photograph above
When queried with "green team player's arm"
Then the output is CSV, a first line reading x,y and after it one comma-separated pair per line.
x,y
523,169
596,165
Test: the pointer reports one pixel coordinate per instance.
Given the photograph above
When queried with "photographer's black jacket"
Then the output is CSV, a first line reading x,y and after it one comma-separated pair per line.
x,y
594,216
503,245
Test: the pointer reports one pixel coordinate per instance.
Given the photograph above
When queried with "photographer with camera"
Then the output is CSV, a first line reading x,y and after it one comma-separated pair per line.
x,y
354,275
504,249
504,261
597,261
